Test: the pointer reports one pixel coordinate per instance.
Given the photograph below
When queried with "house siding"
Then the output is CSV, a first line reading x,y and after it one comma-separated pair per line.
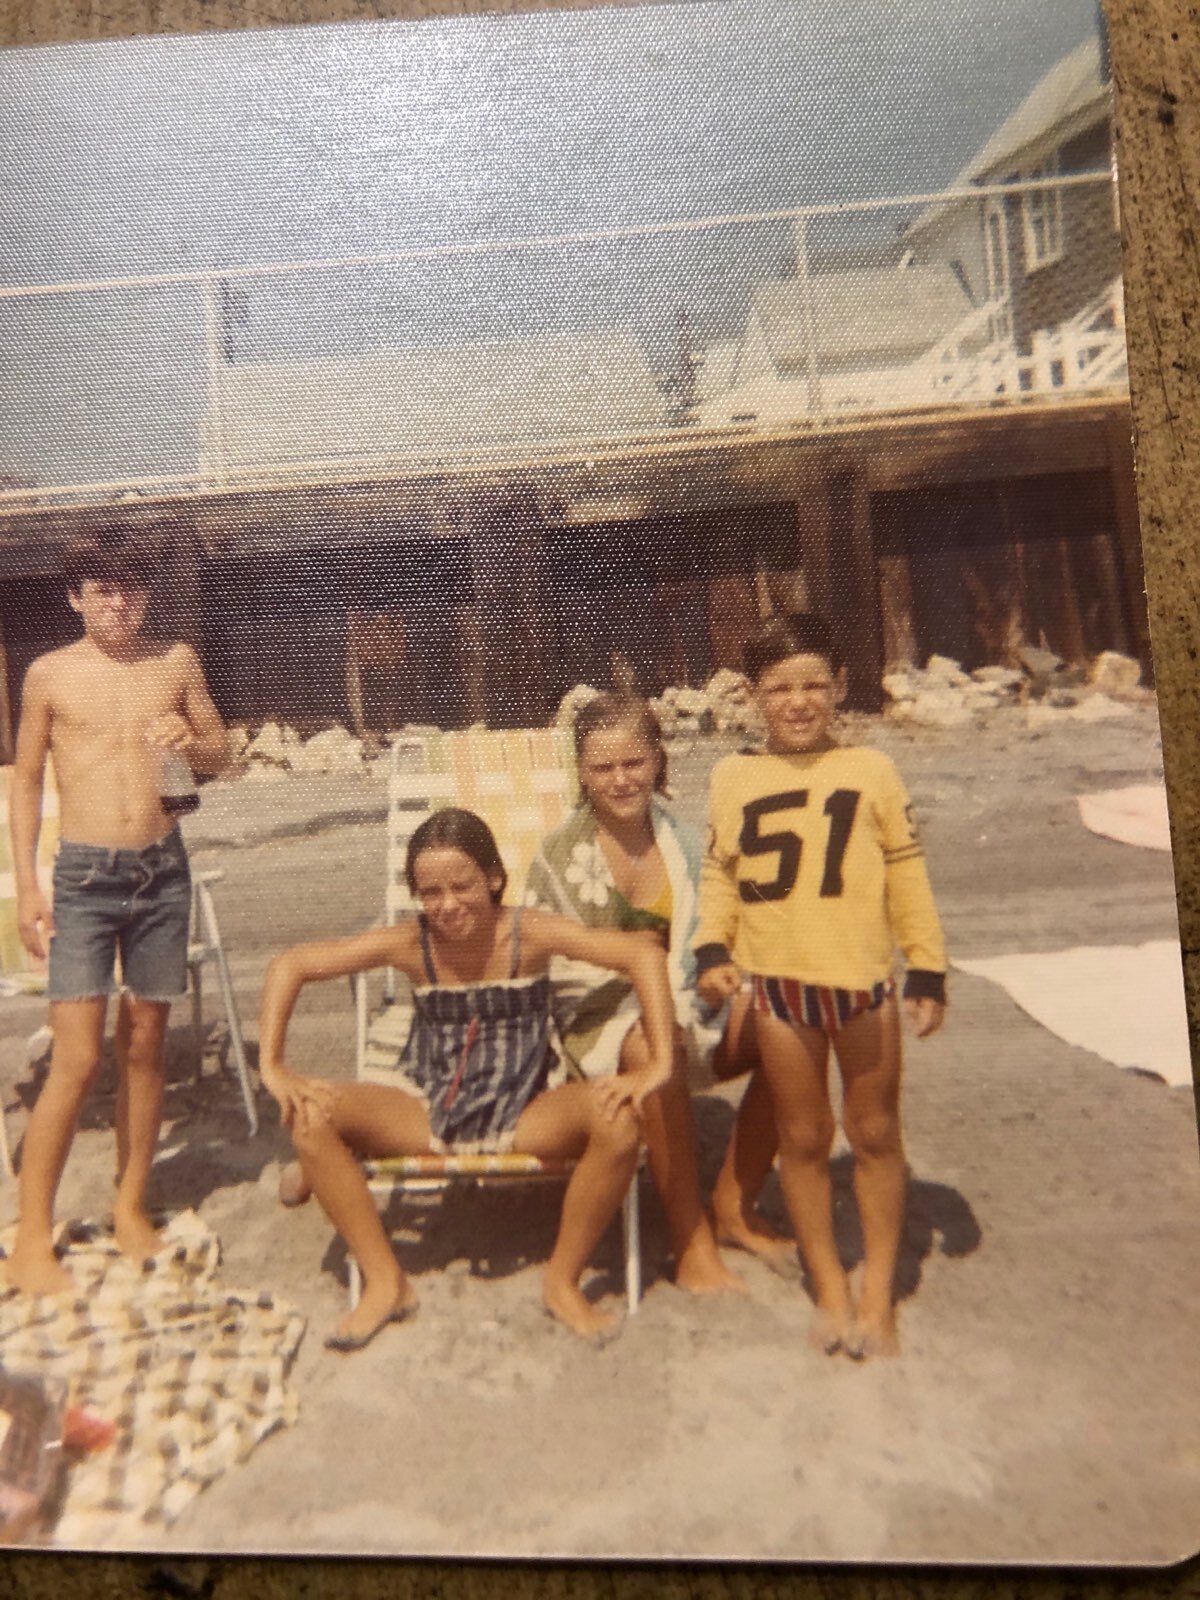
x,y
1091,247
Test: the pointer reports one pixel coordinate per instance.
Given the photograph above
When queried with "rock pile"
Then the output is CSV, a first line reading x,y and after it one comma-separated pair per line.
x,y
1113,673
942,695
573,703
277,749
732,702
724,705
939,695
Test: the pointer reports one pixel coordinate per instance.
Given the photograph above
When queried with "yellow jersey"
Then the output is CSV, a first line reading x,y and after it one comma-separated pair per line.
x,y
814,871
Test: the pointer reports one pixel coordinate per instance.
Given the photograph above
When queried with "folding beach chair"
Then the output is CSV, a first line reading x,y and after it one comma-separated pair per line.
x,y
522,783
21,973
205,945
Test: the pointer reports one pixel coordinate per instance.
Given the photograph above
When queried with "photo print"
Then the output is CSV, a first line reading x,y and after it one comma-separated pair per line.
x,y
590,964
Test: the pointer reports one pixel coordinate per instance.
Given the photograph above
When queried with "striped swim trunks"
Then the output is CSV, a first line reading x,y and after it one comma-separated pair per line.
x,y
812,1005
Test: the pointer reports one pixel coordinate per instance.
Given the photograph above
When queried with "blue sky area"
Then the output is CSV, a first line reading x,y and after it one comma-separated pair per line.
x,y
224,150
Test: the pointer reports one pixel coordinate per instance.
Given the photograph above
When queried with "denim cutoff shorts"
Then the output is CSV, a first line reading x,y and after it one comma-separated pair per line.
x,y
137,902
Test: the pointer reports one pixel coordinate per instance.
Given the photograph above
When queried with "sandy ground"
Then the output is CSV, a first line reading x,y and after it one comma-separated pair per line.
x,y
1047,1403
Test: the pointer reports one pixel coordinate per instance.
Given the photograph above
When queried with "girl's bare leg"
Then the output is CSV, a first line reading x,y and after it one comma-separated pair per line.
x,y
366,1120
796,1064
140,1039
78,1027
753,1145
868,1052
569,1122
670,1134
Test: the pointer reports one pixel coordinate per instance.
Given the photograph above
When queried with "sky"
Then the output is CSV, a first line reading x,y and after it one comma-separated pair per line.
x,y
230,149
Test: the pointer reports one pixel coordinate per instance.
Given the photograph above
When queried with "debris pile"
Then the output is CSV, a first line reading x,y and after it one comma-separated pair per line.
x,y
939,695
731,700
942,695
684,713
277,749
724,705
573,703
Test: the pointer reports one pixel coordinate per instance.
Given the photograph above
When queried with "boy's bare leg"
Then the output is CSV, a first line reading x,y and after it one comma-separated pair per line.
x,y
78,1028
796,1064
753,1146
868,1052
366,1120
121,1051
670,1133
141,1032
571,1122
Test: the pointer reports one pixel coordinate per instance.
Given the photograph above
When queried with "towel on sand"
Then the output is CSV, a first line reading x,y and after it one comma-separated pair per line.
x,y
192,1375
1122,1002
1136,815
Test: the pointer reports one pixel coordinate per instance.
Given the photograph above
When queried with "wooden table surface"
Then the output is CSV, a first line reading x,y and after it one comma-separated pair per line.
x,y
1156,69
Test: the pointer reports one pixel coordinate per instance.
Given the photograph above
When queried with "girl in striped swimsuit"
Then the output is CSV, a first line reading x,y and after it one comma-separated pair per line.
x,y
475,1072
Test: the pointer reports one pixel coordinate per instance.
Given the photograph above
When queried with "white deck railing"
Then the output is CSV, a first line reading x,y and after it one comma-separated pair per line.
x,y
160,407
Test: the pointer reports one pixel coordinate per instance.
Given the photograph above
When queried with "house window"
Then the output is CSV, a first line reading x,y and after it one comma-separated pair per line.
x,y
1041,210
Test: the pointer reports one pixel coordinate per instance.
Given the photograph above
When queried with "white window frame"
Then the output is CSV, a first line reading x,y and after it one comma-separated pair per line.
x,y
1041,217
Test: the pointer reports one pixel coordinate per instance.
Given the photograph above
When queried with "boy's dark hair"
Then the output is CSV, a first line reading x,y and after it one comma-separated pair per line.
x,y
110,554
623,711
801,633
455,829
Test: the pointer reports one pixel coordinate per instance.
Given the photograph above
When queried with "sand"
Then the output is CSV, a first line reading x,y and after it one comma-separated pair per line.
x,y
1046,1404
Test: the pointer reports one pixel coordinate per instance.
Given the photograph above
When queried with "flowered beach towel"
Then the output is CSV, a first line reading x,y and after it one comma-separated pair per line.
x,y
594,1009
193,1376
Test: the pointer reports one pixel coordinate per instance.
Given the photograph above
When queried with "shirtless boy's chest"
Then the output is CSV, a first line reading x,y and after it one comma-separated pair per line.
x,y
113,703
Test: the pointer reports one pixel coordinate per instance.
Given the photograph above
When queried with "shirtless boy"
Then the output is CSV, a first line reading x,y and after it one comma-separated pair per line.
x,y
105,708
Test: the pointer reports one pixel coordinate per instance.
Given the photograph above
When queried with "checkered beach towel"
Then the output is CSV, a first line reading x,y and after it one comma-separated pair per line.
x,y
193,1376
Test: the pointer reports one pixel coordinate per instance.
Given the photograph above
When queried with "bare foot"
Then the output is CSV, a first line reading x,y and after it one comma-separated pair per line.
x,y
871,1336
700,1270
294,1187
752,1234
829,1329
38,1272
135,1236
380,1304
568,1305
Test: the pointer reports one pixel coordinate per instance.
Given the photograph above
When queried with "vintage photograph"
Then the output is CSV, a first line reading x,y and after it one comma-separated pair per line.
x,y
588,951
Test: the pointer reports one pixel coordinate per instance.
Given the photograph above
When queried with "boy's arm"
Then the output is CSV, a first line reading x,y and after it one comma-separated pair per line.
x,y
195,730
209,751
35,921
912,912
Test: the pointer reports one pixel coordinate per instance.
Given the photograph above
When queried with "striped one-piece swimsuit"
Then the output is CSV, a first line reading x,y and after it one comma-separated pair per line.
x,y
478,1053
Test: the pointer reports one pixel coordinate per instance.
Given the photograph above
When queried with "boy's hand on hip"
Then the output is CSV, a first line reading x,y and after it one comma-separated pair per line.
x,y
170,731
925,1016
35,922
719,984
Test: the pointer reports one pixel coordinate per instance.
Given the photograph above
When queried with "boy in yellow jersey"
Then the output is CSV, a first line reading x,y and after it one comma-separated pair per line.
x,y
813,875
